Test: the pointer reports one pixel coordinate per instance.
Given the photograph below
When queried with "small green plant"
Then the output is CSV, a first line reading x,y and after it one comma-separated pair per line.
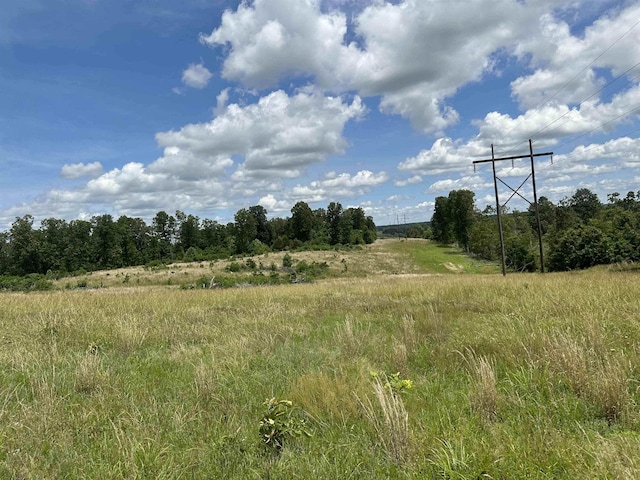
x,y
233,267
287,261
393,382
280,422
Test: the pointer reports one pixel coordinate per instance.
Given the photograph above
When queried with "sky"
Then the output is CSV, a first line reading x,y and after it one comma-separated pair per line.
x,y
130,107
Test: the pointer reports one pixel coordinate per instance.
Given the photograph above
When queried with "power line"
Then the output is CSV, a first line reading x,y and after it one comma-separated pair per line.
x,y
540,105
593,147
590,64
588,98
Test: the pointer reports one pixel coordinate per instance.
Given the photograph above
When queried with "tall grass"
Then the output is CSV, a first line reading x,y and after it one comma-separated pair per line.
x,y
158,382
389,419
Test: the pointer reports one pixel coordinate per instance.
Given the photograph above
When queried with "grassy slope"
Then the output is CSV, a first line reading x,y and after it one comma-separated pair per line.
x,y
525,377
388,256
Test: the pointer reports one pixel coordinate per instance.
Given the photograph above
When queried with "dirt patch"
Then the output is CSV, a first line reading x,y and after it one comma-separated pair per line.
x,y
453,267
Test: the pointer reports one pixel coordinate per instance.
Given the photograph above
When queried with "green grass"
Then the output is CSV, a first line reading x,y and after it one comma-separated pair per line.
x,y
431,257
529,376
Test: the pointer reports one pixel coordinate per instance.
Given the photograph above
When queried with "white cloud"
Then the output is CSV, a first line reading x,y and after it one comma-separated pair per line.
x,y
274,140
272,205
624,148
190,165
79,170
364,178
565,63
339,186
445,155
469,183
196,76
277,135
221,102
414,54
269,39
415,179
546,125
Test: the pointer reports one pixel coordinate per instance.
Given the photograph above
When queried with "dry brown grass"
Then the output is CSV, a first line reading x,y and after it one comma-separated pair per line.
x,y
328,396
376,259
88,373
389,419
483,397
603,379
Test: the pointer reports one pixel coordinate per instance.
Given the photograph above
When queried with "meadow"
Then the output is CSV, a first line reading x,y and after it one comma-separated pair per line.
x,y
403,365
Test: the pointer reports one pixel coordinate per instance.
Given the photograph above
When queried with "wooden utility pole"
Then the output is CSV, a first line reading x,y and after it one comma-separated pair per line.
x,y
516,191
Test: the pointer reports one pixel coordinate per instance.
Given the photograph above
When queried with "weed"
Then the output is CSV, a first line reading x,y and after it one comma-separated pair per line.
x,y
281,422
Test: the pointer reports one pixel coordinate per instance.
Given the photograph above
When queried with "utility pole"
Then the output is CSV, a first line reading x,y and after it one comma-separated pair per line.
x,y
516,191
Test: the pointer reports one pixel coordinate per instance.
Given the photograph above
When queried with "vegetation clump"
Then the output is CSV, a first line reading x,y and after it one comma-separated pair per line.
x,y
280,422
579,232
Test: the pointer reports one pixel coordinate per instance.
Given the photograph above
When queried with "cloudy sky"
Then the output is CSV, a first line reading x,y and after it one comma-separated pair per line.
x,y
130,107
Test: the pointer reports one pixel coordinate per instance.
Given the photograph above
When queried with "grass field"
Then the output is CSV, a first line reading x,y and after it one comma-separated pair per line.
x,y
389,256
528,376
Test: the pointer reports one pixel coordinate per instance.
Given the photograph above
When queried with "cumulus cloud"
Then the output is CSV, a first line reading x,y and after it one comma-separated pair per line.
x,y
566,64
445,155
546,125
339,186
624,148
79,170
278,134
468,182
196,76
272,205
273,140
269,39
409,181
413,54
410,56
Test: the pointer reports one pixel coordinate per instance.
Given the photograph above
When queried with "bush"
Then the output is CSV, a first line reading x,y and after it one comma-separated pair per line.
x,y
155,265
313,269
233,267
28,283
581,247
280,422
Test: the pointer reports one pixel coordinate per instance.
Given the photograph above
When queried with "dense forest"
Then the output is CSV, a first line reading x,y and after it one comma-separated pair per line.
x,y
579,232
62,247
411,230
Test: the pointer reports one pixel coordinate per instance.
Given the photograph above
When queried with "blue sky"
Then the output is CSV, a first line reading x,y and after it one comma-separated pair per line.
x,y
208,106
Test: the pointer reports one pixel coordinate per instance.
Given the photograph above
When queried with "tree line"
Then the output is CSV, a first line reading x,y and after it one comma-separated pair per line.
x,y
104,242
579,232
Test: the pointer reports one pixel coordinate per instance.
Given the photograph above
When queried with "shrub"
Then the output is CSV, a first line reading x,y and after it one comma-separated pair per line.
x,y
233,267
313,269
280,422
28,283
